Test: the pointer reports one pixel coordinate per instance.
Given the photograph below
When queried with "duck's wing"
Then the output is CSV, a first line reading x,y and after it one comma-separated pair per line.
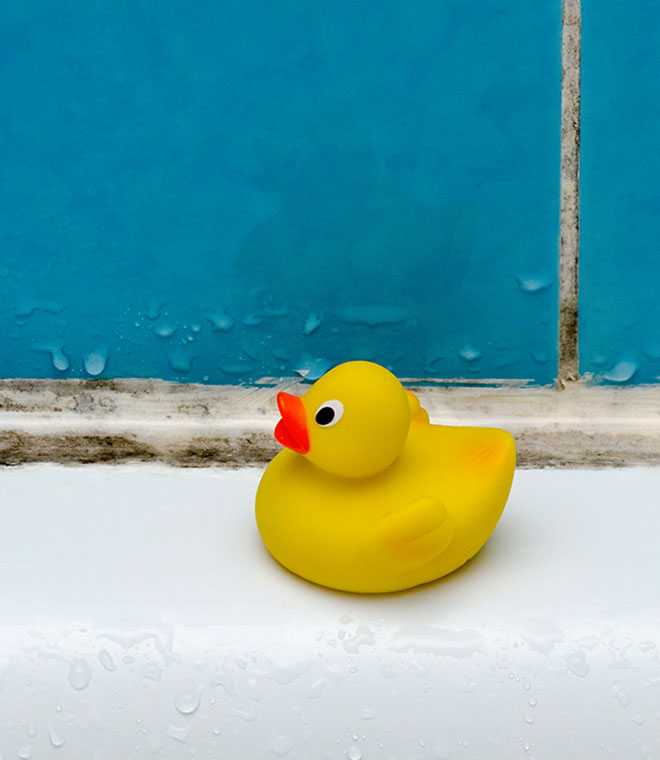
x,y
421,530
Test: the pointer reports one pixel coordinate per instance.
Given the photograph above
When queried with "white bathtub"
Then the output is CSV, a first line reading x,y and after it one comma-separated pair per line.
x,y
141,617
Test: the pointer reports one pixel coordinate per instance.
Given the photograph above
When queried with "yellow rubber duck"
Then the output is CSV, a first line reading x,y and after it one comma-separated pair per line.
x,y
368,496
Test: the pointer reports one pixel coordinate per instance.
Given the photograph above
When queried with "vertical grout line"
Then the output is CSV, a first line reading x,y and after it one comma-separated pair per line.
x,y
569,218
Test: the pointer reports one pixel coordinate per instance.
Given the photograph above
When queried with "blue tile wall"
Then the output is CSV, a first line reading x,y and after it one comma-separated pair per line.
x,y
222,191
620,192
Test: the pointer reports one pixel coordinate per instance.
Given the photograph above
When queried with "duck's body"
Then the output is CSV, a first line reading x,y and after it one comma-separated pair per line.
x,y
419,518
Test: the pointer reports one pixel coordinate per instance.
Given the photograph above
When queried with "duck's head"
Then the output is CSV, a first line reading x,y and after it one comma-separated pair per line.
x,y
352,422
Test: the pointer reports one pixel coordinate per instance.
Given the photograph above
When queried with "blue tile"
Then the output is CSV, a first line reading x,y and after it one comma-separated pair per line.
x,y
240,189
620,192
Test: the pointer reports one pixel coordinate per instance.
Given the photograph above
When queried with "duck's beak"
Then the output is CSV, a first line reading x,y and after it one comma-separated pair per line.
x,y
291,431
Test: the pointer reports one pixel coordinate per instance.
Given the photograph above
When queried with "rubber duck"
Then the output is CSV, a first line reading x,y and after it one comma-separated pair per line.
x,y
367,495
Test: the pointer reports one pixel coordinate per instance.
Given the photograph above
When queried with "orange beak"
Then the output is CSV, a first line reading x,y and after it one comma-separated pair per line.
x,y
291,431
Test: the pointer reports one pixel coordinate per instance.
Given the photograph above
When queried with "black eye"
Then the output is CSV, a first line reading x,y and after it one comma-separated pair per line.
x,y
329,413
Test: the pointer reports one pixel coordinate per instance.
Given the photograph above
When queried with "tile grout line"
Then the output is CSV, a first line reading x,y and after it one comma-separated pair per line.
x,y
569,219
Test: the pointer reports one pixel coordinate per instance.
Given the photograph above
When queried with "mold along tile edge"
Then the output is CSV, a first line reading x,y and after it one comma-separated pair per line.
x,y
569,216
78,422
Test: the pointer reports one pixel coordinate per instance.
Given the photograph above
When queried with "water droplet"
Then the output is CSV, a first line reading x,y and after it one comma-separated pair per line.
x,y
311,323
59,359
152,671
310,368
186,702
180,733
577,663
638,720
180,360
27,306
354,753
532,702
196,328
79,674
55,739
363,637
95,361
164,329
540,357
469,353
315,689
221,321
106,660
367,714
24,753
527,685
621,695
527,746
529,719
622,372
252,320
280,745
535,282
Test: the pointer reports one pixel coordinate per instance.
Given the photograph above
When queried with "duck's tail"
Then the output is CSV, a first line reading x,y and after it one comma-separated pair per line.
x,y
418,415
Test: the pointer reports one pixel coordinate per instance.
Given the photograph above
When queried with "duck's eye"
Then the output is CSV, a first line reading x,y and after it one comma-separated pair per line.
x,y
329,413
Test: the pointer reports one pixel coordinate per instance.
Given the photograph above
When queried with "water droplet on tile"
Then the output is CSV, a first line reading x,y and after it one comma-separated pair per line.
x,y
106,660
621,696
221,321
532,702
59,359
354,753
79,674
311,323
179,733
534,283
469,353
95,361
622,371
315,689
152,671
577,663
27,306
310,368
55,739
180,360
186,702
280,745
164,329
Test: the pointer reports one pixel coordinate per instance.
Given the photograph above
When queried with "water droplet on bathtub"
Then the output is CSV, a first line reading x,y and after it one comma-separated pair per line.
x,y
316,688
186,702
311,323
280,745
59,359
533,283
106,660
152,671
55,739
180,360
367,714
387,671
180,733
79,674
577,664
311,368
95,361
527,685
164,329
527,746
221,321
532,702
354,753
622,372
24,753
252,320
469,353
621,696
529,719
33,728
